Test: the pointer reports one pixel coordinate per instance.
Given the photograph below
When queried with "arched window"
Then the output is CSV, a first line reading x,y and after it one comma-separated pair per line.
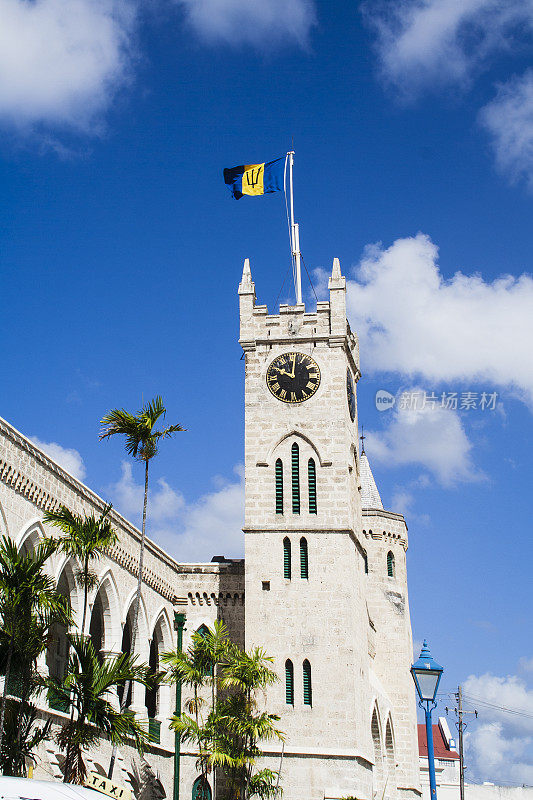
x,y
304,563
289,683
287,558
390,564
279,486
295,478
202,631
201,789
308,690
311,475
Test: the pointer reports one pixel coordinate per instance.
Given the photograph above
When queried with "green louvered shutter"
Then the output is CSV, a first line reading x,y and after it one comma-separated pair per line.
x,y
287,558
295,479
304,564
311,474
390,564
279,486
308,693
289,683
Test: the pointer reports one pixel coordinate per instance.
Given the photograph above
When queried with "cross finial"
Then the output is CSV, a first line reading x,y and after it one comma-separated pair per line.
x,y
362,437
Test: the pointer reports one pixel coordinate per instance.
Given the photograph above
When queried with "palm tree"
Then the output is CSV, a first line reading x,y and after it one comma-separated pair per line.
x,y
142,442
27,597
88,685
227,733
86,538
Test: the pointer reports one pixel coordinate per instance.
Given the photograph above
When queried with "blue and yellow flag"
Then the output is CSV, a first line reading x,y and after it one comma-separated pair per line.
x,y
255,179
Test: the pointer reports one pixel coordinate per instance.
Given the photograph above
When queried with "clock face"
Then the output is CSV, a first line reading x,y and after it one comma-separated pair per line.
x,y
293,377
351,394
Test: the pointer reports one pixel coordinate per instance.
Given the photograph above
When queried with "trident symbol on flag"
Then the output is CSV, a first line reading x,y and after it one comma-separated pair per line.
x,y
252,177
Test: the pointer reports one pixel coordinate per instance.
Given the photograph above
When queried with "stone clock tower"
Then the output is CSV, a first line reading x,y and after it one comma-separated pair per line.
x,y
304,555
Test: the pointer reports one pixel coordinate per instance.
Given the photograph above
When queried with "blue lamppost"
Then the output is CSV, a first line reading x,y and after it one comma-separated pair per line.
x,y
426,675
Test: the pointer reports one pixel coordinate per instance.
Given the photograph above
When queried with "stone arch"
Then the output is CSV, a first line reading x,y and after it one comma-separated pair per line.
x,y
161,640
390,757
4,530
136,693
298,435
378,779
57,652
30,535
104,625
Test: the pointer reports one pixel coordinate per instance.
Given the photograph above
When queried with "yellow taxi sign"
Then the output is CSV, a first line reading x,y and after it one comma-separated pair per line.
x,y
105,786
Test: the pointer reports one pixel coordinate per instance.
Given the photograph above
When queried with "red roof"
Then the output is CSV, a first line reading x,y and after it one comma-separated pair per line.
x,y
439,745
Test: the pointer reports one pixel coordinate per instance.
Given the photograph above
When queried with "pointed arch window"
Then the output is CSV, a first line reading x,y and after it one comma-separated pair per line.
x,y
311,476
308,689
289,683
201,789
304,561
295,454
279,486
202,631
390,564
287,558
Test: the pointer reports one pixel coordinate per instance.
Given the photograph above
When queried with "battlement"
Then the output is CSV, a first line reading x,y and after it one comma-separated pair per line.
x,y
293,324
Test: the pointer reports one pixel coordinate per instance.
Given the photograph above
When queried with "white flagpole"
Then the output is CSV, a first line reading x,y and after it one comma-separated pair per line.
x,y
295,239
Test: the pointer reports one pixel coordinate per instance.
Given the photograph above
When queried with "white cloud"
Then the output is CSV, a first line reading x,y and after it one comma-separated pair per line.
x,y
255,22
427,43
61,61
500,746
433,438
190,532
66,457
413,322
509,121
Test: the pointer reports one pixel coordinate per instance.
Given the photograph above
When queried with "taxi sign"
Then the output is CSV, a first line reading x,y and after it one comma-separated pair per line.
x,y
96,781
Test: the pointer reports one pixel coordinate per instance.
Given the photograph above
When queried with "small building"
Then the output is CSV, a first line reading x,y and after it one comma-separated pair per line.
x,y
446,761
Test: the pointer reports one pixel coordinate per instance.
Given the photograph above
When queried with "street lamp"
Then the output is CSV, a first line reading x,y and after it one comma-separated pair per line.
x,y
426,675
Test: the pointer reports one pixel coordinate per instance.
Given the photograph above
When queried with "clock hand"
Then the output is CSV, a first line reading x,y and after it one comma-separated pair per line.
x,y
293,365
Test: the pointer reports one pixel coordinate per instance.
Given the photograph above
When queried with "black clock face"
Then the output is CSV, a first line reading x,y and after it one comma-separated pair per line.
x,y
293,377
351,394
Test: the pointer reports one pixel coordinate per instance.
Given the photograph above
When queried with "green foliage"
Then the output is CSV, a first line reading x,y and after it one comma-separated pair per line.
x,y
138,429
29,606
22,736
88,684
222,719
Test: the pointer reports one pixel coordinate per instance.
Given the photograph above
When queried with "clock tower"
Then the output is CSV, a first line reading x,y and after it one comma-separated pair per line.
x,y
305,557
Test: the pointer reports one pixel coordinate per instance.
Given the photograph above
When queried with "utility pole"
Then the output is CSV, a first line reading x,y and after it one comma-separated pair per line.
x,y
461,726
459,697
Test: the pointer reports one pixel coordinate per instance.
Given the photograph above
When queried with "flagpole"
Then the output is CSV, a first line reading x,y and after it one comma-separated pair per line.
x,y
295,238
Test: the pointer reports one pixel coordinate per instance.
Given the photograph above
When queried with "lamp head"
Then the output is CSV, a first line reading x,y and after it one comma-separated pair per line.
x,y
426,674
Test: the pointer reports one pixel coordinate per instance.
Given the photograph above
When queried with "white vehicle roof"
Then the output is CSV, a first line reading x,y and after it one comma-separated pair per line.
x,y
28,789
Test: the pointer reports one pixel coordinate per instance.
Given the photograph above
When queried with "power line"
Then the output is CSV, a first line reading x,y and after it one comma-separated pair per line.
x,y
478,700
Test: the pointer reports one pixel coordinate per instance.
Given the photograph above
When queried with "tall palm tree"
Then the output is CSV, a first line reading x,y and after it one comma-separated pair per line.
x,y
88,684
86,538
141,442
25,591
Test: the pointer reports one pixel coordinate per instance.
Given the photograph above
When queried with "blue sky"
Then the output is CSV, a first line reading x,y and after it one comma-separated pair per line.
x,y
121,251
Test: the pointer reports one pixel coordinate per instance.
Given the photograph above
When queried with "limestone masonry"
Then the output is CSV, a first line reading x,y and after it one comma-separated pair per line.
x,y
323,587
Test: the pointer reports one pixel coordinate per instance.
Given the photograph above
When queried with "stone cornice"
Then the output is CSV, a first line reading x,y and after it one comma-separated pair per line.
x,y
45,500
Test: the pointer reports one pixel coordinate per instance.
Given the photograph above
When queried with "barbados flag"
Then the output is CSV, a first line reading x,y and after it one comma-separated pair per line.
x,y
255,179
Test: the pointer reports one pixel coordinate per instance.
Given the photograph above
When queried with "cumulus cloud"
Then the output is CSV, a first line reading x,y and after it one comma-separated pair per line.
x,y
433,438
255,22
62,61
413,322
427,43
188,531
66,457
509,121
499,748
